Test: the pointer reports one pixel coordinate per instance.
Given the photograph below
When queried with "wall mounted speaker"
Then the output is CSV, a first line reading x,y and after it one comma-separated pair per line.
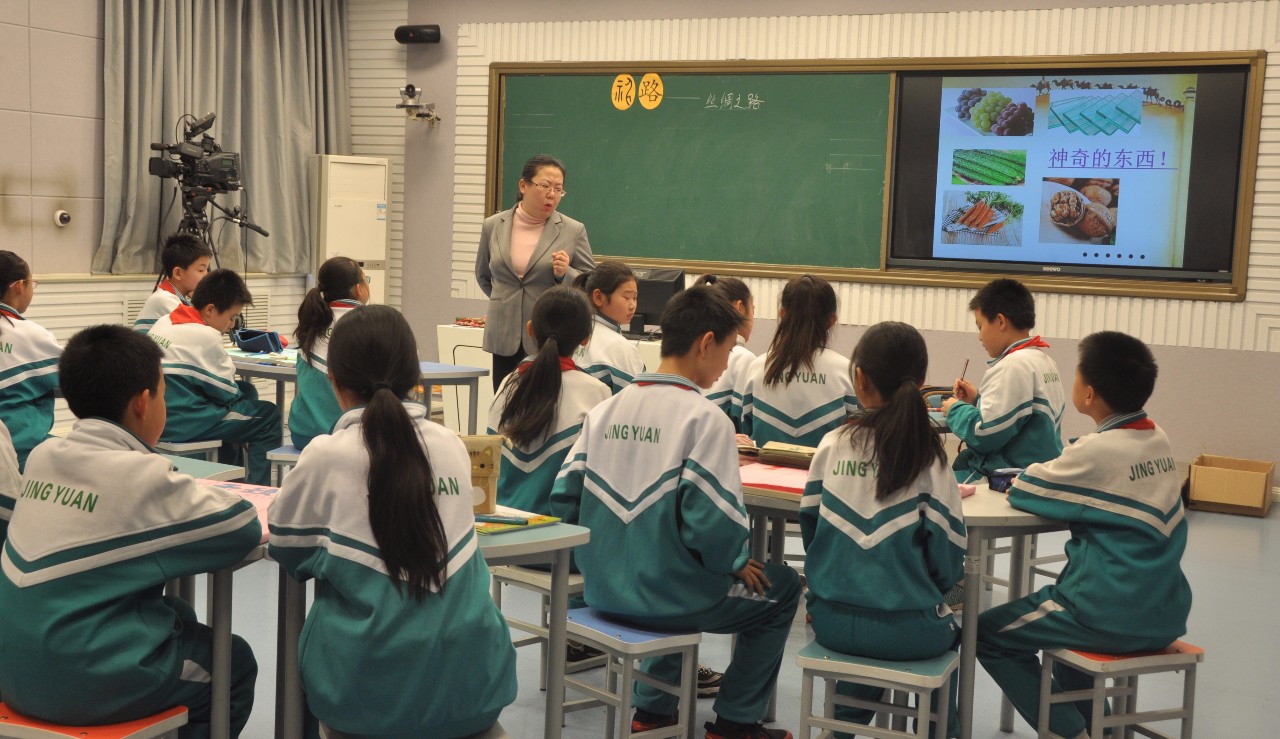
x,y
418,34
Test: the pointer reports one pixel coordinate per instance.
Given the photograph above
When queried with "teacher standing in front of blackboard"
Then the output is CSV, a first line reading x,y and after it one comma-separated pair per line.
x,y
524,251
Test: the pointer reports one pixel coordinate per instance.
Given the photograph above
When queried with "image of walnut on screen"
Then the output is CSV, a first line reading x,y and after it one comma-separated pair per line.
x,y
1066,207
1098,221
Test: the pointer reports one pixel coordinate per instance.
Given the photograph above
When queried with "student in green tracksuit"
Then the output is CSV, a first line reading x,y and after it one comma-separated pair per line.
x,y
28,360
883,531
1014,418
403,640
100,525
10,479
340,288
654,475
205,400
1122,589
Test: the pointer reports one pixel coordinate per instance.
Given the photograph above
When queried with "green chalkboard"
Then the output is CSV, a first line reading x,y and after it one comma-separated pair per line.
x,y
766,168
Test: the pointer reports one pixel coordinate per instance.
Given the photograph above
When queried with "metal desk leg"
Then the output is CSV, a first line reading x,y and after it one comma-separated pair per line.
x,y
289,700
280,395
556,643
1018,575
220,621
777,546
473,401
759,534
969,630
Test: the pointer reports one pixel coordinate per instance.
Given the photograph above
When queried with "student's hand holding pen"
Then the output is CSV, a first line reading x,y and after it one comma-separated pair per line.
x,y
960,392
752,575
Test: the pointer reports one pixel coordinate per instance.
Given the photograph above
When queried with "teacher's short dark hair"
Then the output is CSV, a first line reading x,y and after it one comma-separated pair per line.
x,y
537,162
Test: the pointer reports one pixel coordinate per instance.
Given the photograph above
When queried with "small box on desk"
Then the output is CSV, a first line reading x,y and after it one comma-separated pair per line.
x,y
486,463
788,455
1230,485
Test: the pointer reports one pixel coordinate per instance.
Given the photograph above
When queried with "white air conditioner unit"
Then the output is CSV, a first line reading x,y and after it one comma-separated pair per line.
x,y
350,198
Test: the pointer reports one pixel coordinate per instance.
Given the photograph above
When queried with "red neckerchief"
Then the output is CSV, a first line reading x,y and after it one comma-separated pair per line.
x,y
168,287
1142,424
10,313
344,304
1033,341
185,314
566,365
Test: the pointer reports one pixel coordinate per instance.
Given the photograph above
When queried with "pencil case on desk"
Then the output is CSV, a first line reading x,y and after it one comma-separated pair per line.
x,y
787,455
257,341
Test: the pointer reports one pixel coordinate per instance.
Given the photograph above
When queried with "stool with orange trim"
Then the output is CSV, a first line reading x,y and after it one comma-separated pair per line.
x,y
1123,670
162,725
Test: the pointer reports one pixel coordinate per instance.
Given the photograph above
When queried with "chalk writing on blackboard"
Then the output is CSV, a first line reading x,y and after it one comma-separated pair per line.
x,y
733,101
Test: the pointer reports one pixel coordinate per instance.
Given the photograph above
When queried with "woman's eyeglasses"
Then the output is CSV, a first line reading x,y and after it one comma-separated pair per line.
x,y
558,192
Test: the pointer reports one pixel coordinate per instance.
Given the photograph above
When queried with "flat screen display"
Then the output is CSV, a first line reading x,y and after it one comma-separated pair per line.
x,y
1122,172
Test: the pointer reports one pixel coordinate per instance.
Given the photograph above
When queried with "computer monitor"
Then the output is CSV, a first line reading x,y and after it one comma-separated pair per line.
x,y
656,287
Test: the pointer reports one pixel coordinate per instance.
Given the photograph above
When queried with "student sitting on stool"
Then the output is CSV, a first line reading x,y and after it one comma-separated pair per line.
x,y
205,400
669,531
100,525
1122,589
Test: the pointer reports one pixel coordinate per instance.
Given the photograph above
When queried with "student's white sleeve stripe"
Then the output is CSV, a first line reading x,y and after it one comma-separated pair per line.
x,y
22,377
810,501
193,672
933,514
718,500
77,566
205,377
884,531
1118,509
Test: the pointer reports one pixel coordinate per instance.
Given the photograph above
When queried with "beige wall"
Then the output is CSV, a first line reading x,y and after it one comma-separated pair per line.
x,y
51,131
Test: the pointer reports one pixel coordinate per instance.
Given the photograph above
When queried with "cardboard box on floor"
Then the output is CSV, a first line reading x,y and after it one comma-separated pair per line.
x,y
486,462
1230,485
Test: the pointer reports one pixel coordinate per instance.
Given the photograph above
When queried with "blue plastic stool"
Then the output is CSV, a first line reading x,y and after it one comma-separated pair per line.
x,y
909,676
623,644
282,460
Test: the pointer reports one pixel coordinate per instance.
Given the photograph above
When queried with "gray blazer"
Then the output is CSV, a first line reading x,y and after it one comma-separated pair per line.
x,y
511,298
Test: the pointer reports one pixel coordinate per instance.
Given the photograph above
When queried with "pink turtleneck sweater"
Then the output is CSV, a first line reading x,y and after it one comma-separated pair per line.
x,y
525,233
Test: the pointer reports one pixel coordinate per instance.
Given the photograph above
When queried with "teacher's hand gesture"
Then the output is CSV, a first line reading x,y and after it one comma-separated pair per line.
x,y
559,263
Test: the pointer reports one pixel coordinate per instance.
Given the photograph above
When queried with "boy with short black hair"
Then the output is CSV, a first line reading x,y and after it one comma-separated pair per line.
x,y
205,399
1015,418
100,524
654,475
1122,589
184,263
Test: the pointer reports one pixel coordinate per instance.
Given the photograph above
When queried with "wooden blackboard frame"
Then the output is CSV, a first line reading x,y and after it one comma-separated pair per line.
x,y
1233,291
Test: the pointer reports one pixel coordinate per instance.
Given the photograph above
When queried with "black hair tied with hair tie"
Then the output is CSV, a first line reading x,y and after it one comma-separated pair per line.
x,y
381,386
711,279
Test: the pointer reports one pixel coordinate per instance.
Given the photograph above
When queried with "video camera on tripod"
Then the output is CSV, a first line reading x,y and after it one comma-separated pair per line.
x,y
201,164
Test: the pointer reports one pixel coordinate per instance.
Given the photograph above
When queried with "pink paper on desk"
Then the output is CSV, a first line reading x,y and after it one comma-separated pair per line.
x,y
967,490
774,477
259,495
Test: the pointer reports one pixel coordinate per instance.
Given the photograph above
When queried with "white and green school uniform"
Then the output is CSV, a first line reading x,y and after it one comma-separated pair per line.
x,y
609,357
10,479
878,569
527,473
801,410
161,302
100,525
1122,589
28,379
204,400
721,391
315,408
654,475
1018,417
374,660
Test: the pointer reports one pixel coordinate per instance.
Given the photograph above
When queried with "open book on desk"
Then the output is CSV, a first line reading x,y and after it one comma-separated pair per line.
x,y
504,519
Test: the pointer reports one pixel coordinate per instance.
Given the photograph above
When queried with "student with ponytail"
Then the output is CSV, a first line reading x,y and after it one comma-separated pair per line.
x,y
610,357
379,512
340,288
739,296
28,360
539,408
798,390
881,519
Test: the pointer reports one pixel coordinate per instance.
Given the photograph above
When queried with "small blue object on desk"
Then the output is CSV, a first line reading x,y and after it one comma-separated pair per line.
x,y
1002,479
513,520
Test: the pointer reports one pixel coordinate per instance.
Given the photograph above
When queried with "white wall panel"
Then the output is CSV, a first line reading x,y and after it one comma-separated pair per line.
x,y
375,73
1251,325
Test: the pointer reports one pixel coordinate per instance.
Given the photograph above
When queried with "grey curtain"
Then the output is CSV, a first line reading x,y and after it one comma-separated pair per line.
x,y
274,72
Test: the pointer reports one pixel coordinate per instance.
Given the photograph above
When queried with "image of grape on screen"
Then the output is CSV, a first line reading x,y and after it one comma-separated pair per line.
x,y
990,111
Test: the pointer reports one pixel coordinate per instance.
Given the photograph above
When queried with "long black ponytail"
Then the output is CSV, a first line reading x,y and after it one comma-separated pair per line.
x,y
561,320
372,354
894,359
335,280
808,303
